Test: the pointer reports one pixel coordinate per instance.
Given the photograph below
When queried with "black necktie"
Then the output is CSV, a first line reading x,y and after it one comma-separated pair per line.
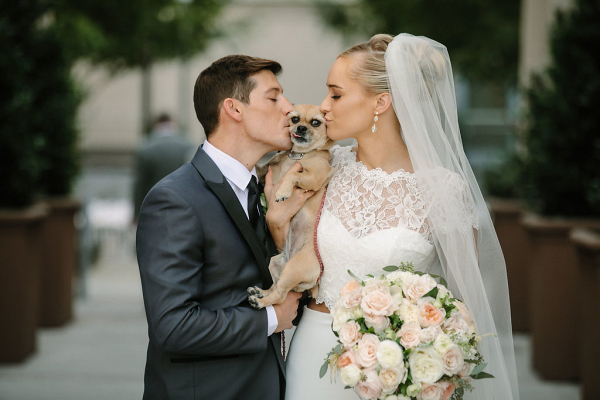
x,y
253,214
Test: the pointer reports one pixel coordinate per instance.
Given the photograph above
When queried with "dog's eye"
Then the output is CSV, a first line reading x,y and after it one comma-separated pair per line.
x,y
295,120
315,123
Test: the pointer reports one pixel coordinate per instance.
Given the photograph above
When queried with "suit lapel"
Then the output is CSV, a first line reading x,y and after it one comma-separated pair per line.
x,y
221,188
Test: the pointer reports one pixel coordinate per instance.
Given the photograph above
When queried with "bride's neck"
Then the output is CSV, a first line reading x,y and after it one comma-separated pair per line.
x,y
385,150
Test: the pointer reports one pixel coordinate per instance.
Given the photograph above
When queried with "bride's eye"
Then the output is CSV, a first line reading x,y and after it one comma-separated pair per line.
x,y
335,97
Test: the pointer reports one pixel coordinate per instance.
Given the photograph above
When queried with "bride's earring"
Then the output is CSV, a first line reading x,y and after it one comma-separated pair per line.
x,y
374,128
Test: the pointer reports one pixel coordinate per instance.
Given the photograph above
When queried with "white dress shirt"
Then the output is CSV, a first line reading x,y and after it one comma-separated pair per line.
x,y
238,177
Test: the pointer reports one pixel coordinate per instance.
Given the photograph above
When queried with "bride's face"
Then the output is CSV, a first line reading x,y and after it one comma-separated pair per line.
x,y
348,109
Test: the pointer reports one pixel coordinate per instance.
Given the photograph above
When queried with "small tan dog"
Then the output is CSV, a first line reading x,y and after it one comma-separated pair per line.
x,y
297,267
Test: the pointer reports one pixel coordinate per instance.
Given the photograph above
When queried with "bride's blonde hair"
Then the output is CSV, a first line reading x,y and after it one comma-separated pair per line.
x,y
369,69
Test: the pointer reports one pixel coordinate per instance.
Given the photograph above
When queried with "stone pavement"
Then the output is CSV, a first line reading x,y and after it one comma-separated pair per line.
x,y
101,354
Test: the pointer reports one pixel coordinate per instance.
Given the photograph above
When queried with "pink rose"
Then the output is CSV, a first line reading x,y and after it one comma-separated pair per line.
x,y
430,391
352,299
378,322
370,388
350,334
349,287
430,315
410,335
455,323
453,360
379,302
347,358
421,286
366,354
464,311
428,335
448,389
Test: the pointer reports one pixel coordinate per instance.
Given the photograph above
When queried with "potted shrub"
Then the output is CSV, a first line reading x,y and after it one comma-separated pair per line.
x,y
507,208
20,222
562,183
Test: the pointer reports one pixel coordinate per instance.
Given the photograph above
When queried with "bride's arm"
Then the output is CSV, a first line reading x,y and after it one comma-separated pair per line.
x,y
280,213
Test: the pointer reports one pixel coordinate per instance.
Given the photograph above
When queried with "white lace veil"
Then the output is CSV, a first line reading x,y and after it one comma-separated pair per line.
x,y
422,88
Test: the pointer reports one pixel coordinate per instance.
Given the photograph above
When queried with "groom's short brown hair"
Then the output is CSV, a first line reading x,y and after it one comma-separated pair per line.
x,y
228,77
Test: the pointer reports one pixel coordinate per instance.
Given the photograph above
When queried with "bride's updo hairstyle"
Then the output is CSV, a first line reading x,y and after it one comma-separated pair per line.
x,y
369,68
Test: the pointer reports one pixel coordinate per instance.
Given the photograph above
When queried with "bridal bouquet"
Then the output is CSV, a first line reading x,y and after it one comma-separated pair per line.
x,y
403,336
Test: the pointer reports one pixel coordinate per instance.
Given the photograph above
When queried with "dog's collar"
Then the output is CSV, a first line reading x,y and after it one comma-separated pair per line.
x,y
295,156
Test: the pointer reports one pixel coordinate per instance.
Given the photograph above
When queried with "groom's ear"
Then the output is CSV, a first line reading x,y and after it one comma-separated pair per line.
x,y
232,108
384,101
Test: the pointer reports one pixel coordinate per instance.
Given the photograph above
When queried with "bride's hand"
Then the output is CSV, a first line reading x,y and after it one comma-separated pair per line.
x,y
280,213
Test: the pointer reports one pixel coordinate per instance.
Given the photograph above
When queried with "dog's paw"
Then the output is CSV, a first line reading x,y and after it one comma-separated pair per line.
x,y
255,292
254,302
282,195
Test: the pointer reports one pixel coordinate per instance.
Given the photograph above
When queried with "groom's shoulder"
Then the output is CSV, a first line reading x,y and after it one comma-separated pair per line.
x,y
186,182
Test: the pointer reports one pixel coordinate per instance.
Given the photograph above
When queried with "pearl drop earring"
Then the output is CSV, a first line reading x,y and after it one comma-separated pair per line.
x,y
374,128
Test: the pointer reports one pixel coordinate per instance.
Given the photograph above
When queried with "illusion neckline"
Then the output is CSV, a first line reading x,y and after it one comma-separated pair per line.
x,y
377,171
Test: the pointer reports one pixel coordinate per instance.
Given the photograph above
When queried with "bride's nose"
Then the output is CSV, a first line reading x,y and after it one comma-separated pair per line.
x,y
325,106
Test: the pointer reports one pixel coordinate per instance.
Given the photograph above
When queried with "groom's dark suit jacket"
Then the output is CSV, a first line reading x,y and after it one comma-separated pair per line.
x,y
197,254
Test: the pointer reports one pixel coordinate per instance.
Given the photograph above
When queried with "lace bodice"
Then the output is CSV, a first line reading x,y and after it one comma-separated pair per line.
x,y
370,219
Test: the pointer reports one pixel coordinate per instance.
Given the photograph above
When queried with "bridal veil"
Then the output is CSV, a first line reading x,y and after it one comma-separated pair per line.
x,y
422,88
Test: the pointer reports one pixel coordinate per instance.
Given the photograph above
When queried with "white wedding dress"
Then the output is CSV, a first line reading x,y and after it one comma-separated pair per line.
x,y
370,219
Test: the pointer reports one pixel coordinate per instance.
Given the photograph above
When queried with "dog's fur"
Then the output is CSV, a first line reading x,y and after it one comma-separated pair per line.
x,y
297,267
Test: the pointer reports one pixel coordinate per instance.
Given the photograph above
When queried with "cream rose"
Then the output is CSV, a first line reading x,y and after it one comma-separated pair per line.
x,y
350,334
396,293
366,353
391,378
378,322
430,392
441,343
410,334
426,365
429,315
420,287
466,370
378,302
408,311
453,360
370,388
350,375
340,317
389,354
428,335
413,390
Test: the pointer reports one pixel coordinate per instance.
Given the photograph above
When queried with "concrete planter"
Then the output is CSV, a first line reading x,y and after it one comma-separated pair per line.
x,y
587,246
555,296
20,240
59,262
507,214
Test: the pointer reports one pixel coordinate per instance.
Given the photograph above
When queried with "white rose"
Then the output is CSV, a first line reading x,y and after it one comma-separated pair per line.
x,y
413,390
396,292
430,392
350,375
391,378
366,353
408,312
443,292
378,302
466,369
410,334
426,365
389,354
441,343
453,360
406,278
428,335
378,322
350,334
464,312
420,287
340,317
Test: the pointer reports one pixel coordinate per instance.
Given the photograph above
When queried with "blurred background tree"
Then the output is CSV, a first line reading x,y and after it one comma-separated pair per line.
x,y
136,33
482,36
562,165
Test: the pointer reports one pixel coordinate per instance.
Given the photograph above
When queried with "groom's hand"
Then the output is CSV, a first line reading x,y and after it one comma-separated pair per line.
x,y
280,213
286,311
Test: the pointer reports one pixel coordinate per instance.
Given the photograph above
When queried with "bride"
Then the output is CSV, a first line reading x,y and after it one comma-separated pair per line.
x,y
406,193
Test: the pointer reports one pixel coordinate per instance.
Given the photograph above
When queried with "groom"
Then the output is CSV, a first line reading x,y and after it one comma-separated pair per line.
x,y
202,241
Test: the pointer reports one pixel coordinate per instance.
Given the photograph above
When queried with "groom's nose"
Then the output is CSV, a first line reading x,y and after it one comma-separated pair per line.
x,y
287,106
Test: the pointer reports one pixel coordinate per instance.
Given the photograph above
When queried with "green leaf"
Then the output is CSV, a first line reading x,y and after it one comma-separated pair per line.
x,y
478,369
482,375
323,370
348,387
391,268
432,293
356,278
470,361
338,349
443,282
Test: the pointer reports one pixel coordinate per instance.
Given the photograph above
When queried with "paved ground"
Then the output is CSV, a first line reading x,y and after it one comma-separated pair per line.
x,y
101,354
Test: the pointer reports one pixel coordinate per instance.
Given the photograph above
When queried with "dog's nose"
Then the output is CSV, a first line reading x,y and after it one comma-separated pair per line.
x,y
301,129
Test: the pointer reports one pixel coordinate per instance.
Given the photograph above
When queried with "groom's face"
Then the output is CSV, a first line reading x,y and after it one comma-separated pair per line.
x,y
265,116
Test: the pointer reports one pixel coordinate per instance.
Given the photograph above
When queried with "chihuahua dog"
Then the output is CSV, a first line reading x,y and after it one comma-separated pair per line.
x,y
297,267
